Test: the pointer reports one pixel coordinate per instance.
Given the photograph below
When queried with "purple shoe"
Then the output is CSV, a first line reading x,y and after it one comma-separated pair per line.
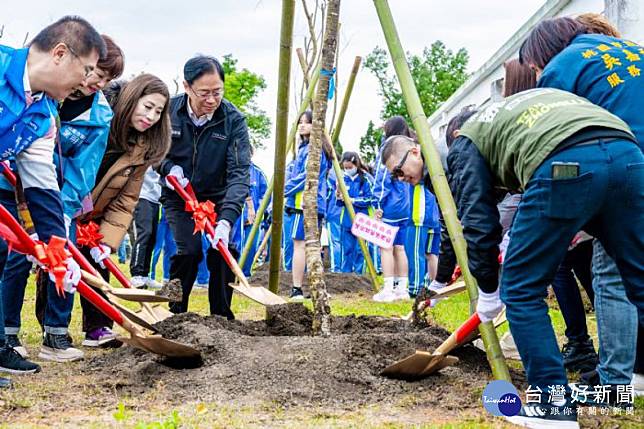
x,y
101,337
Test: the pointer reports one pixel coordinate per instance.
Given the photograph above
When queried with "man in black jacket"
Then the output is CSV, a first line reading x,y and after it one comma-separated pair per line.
x,y
210,148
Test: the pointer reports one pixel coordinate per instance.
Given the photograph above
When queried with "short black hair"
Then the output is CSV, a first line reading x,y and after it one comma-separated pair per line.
x,y
456,123
200,65
391,144
73,31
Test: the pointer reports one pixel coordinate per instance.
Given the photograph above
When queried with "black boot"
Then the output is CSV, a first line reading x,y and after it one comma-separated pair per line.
x,y
12,362
579,356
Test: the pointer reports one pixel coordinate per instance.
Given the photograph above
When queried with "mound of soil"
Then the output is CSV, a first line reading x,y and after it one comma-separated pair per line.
x,y
278,360
336,283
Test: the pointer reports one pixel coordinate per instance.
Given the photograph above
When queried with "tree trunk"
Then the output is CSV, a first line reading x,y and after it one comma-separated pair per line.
x,y
281,130
321,307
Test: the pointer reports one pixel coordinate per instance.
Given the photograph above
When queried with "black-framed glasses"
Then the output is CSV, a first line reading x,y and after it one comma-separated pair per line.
x,y
204,94
88,69
397,171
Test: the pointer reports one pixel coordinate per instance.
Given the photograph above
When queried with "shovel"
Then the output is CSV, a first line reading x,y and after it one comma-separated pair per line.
x,y
149,313
136,295
445,292
422,364
258,294
19,239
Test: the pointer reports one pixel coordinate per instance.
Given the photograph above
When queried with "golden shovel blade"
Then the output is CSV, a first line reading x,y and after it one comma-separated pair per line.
x,y
418,365
161,346
258,294
137,295
138,317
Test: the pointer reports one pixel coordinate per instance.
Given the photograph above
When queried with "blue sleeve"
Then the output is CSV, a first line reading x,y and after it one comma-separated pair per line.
x,y
80,169
366,194
476,203
381,187
298,177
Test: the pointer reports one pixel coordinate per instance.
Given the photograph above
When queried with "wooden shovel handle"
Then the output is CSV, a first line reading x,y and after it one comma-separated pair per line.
x,y
460,334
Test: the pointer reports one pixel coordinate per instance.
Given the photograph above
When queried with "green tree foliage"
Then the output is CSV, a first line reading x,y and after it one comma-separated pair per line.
x,y
242,88
437,73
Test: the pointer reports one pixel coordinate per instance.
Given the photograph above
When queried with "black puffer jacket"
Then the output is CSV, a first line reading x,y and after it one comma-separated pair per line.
x,y
215,157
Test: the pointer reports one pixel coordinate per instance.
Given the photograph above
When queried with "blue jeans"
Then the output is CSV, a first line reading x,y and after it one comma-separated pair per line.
x,y
577,260
608,191
58,310
616,321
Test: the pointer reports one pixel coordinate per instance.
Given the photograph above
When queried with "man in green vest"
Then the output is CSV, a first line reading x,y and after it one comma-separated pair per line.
x,y
579,167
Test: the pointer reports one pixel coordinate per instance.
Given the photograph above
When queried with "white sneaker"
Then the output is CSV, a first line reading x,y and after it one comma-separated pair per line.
x,y
386,294
401,293
638,384
139,282
152,284
58,348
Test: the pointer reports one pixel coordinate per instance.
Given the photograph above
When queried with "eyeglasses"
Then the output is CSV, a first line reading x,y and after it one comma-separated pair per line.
x,y
204,94
88,69
397,171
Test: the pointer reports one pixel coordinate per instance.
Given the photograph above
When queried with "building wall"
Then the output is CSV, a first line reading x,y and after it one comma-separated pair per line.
x,y
486,83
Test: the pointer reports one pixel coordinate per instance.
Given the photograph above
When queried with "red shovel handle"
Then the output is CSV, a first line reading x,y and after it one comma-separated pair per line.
x,y
468,327
116,271
179,189
7,218
99,302
8,174
80,259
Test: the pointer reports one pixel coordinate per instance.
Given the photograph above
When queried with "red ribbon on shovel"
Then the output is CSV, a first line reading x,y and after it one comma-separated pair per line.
x,y
88,235
202,214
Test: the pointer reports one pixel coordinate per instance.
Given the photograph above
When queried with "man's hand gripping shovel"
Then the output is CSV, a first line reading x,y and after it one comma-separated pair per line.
x,y
205,217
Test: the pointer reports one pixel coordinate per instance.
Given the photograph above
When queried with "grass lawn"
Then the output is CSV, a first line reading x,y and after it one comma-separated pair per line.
x,y
64,396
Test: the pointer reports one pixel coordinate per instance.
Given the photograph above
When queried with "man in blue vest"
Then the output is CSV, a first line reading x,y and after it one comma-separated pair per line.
x,y
56,63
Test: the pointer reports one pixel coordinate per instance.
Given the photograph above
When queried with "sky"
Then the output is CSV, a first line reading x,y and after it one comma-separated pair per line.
x,y
159,36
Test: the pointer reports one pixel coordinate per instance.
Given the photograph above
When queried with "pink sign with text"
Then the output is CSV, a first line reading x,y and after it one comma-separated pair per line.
x,y
374,231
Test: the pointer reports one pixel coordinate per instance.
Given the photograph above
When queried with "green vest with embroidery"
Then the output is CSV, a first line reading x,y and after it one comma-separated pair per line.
x,y
517,134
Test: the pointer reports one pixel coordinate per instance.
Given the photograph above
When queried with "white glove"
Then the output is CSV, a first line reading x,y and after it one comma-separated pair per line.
x,y
68,223
503,247
435,287
31,258
222,232
100,253
489,305
177,172
72,276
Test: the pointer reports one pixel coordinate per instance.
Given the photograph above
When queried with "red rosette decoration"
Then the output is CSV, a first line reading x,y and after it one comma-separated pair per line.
x,y
88,234
202,213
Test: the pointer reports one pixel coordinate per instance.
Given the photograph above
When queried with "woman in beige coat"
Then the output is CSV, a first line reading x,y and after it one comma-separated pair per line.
x,y
139,137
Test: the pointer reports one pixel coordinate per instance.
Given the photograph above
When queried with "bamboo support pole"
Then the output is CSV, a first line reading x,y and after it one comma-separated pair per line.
x,y
443,193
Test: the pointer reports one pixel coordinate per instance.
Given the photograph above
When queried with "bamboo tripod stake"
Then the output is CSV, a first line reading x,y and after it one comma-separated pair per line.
x,y
443,193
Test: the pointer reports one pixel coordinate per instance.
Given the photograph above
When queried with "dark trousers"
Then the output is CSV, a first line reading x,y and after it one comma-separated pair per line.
x,y
577,261
185,263
146,220
92,316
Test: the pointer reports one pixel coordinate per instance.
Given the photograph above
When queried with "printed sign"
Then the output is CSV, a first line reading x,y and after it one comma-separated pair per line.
x,y
374,231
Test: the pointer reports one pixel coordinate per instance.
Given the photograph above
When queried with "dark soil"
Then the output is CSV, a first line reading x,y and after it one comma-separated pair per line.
x,y
336,283
279,360
172,290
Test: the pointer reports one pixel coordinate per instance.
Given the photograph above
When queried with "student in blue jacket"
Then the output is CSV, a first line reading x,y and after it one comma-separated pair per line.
x,y
333,227
258,187
422,243
294,192
391,201
606,70
360,188
59,62
287,230
85,118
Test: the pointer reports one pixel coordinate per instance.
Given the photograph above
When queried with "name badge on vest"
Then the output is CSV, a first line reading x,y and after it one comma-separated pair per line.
x,y
219,136
176,133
